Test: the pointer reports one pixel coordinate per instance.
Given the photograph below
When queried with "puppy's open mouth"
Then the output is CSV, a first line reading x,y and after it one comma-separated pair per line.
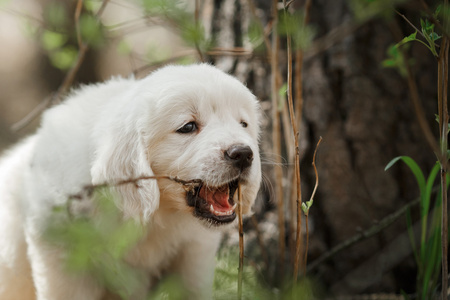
x,y
215,204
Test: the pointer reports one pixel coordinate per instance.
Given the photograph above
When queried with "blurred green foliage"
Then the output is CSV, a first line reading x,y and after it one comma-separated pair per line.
x,y
181,19
96,244
365,10
293,25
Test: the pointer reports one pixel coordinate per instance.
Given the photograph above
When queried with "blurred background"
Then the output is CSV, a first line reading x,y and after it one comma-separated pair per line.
x,y
349,85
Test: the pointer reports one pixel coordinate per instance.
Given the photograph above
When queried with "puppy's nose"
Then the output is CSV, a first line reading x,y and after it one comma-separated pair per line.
x,y
240,156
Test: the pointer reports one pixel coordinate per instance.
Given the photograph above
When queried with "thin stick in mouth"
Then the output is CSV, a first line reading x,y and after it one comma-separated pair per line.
x,y
241,241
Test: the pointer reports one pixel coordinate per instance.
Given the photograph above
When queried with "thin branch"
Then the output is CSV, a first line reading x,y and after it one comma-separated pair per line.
x,y
316,185
412,25
443,134
419,111
298,71
331,38
22,123
433,20
241,242
78,10
375,229
89,189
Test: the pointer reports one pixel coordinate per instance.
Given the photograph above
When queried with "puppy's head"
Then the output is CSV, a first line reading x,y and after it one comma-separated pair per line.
x,y
203,125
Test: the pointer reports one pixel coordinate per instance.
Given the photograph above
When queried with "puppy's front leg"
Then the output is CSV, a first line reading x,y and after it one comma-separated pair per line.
x,y
196,265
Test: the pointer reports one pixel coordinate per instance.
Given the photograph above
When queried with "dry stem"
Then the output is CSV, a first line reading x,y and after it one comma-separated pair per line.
x,y
443,132
297,157
316,185
89,189
375,229
276,139
241,242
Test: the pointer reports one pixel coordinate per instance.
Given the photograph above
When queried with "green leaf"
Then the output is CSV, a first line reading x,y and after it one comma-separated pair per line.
x,y
366,10
305,208
432,261
392,162
434,36
63,58
160,7
283,90
412,238
51,40
437,11
422,24
429,186
92,5
91,30
96,245
255,33
293,25
396,59
414,167
409,38
388,63
193,34
55,15
124,48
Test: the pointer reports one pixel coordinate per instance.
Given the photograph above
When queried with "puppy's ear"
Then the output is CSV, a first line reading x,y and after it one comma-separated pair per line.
x,y
122,155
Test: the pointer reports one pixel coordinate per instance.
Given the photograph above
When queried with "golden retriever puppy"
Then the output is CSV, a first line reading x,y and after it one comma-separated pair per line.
x,y
189,122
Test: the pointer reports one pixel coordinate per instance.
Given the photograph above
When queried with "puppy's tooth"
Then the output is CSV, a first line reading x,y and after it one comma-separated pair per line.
x,y
211,209
234,207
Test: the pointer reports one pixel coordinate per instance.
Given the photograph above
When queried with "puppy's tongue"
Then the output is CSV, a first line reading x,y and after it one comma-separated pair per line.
x,y
218,197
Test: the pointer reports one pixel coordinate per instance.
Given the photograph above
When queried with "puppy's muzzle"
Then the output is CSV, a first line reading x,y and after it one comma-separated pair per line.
x,y
241,156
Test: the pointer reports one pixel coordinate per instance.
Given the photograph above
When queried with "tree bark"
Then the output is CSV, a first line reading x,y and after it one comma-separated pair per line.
x,y
364,115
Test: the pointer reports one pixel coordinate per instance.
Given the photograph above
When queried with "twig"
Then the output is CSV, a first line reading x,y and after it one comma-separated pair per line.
x,y
418,109
32,114
375,229
316,185
330,39
89,189
297,156
298,71
433,20
236,51
443,134
241,242
412,25
77,23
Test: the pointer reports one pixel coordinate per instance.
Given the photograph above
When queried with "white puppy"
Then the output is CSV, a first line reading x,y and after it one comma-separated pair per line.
x,y
189,122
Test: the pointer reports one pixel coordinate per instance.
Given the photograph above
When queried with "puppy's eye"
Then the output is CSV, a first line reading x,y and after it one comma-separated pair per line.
x,y
244,124
188,127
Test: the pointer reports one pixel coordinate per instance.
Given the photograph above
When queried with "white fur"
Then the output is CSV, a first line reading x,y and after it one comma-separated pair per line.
x,y
122,129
